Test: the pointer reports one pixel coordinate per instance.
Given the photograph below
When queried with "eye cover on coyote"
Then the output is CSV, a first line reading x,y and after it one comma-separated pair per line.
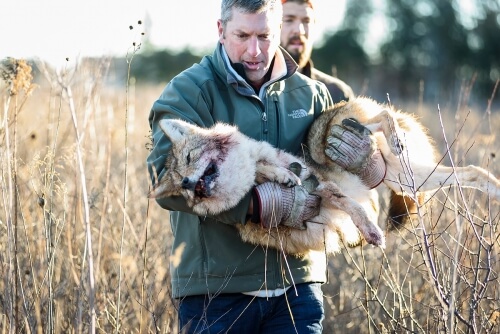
x,y
203,162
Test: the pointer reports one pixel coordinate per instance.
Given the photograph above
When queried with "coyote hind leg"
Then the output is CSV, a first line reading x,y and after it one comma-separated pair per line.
x,y
370,231
388,125
468,177
431,178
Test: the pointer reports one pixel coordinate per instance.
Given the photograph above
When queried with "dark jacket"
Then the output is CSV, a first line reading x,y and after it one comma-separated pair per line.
x,y
338,89
208,256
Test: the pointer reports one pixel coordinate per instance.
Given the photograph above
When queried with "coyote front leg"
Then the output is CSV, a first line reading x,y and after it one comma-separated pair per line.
x,y
266,172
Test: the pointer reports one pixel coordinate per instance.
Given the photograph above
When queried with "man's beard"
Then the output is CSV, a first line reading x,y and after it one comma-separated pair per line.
x,y
299,57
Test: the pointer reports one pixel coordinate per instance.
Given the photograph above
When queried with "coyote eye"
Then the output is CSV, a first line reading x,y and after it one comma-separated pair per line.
x,y
194,154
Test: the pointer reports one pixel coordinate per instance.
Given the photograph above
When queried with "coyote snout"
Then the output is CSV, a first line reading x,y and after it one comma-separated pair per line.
x,y
202,187
188,184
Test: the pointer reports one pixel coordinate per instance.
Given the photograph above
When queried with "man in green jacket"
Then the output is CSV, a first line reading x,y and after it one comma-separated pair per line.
x,y
299,21
221,282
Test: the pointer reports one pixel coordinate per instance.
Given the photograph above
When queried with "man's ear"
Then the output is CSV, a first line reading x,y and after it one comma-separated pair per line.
x,y
220,29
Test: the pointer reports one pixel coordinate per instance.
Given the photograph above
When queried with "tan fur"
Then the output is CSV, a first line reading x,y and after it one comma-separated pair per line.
x,y
243,162
349,210
413,169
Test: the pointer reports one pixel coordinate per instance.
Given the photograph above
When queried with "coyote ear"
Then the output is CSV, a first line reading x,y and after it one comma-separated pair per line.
x,y
175,129
161,190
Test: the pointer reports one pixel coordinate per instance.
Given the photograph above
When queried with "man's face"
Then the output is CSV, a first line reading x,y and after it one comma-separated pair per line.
x,y
252,40
297,19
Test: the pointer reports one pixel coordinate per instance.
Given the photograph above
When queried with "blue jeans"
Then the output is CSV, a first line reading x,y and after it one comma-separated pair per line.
x,y
300,311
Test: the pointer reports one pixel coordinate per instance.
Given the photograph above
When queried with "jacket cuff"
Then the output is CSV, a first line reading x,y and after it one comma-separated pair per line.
x,y
374,173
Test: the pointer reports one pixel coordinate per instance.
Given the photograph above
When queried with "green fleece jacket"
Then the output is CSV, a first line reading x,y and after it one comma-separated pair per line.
x,y
208,256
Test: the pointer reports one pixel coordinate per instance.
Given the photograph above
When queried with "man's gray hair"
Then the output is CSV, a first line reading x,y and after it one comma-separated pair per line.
x,y
249,7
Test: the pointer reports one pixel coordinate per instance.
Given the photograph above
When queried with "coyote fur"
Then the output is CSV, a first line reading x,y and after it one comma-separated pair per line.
x,y
413,165
214,168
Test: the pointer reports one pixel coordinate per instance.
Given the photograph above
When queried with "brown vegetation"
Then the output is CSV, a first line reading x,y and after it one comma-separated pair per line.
x,y
81,246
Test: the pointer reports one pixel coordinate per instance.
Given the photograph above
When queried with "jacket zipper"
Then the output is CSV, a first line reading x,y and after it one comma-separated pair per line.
x,y
265,128
277,109
203,246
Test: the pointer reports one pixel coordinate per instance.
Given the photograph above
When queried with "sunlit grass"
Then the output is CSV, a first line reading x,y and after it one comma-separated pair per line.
x,y
49,139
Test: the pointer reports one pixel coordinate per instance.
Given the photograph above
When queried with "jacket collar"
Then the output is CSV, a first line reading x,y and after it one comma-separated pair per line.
x,y
284,67
307,69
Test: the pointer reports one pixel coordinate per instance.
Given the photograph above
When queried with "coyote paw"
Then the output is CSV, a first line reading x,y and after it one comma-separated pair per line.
x,y
266,172
375,238
287,178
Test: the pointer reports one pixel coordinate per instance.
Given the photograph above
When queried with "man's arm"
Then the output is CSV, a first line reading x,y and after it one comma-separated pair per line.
x,y
174,104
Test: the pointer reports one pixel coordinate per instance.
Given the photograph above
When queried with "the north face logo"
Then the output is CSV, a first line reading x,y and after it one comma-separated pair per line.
x,y
299,113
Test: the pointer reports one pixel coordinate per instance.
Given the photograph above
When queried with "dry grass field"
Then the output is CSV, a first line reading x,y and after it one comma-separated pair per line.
x,y
82,249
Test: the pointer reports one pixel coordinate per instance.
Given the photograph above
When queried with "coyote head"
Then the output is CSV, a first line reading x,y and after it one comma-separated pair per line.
x,y
199,165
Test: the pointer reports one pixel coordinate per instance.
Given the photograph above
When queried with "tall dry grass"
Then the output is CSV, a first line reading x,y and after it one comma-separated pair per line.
x,y
83,250
440,273
67,198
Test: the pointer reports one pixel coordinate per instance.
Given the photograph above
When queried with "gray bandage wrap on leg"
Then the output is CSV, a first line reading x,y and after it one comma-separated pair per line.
x,y
280,205
374,173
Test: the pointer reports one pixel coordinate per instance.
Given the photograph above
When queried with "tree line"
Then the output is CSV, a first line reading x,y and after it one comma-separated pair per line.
x,y
432,49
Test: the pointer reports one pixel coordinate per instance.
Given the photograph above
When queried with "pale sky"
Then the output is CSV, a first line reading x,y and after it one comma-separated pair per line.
x,y
52,30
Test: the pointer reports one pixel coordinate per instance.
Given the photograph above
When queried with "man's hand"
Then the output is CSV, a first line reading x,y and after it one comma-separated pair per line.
x,y
275,204
351,146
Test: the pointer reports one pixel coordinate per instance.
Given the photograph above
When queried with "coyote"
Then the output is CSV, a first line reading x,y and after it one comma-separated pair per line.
x,y
202,167
203,163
